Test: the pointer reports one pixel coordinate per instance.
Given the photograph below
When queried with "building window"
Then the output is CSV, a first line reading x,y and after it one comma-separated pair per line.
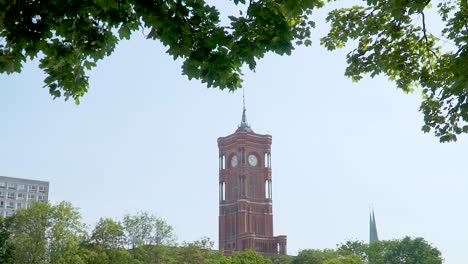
x,y
21,186
32,188
2,184
10,213
10,205
2,204
41,198
11,195
11,185
222,189
2,195
42,189
21,196
268,189
267,160
31,197
19,205
222,162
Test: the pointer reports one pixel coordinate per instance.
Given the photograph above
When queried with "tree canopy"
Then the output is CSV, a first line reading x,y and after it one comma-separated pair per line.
x,y
388,38
54,234
73,35
392,38
405,251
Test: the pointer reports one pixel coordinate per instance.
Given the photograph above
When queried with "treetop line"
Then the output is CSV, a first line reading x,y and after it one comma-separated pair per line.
x,y
389,38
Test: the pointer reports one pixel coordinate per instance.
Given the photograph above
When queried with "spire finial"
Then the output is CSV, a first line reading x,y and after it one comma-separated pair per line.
x,y
244,117
244,126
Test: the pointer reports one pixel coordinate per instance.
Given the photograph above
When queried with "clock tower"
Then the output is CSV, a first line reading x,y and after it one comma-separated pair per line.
x,y
245,193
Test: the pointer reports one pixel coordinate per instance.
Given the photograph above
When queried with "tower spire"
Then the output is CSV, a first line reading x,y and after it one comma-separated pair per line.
x,y
373,236
244,117
244,126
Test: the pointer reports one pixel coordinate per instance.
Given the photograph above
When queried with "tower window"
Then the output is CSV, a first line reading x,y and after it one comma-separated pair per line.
x,y
222,162
267,160
222,188
270,189
267,189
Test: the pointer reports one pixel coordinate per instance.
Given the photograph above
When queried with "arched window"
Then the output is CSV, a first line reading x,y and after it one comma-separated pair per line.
x,y
267,160
222,189
222,162
268,189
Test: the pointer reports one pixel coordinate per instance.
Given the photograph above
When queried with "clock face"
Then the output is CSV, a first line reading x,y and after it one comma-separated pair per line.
x,y
234,161
252,160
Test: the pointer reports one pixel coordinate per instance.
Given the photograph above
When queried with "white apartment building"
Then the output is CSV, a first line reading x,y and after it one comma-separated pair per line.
x,y
17,193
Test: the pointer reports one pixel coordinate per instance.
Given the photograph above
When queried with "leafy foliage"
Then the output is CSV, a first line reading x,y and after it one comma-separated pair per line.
x,y
247,257
109,234
147,229
72,36
53,234
6,248
388,38
391,38
349,259
404,251
327,256
45,233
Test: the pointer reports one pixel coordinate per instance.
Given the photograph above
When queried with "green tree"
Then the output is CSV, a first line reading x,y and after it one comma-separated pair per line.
x,y
95,254
46,233
314,256
403,251
247,257
391,38
6,248
386,38
108,234
155,254
198,252
349,259
72,36
147,229
282,259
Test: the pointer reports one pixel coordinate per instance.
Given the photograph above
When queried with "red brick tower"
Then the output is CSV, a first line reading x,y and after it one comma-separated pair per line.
x,y
245,193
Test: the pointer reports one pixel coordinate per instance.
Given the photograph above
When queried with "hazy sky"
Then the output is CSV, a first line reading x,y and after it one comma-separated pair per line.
x,y
144,138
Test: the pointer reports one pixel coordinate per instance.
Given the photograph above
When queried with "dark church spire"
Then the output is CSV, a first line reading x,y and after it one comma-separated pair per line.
x,y
373,236
244,126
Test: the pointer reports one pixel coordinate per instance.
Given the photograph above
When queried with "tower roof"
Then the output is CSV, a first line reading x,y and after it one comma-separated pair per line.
x,y
244,126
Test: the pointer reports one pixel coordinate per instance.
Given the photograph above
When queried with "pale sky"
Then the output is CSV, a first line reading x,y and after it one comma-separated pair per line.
x,y
144,138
